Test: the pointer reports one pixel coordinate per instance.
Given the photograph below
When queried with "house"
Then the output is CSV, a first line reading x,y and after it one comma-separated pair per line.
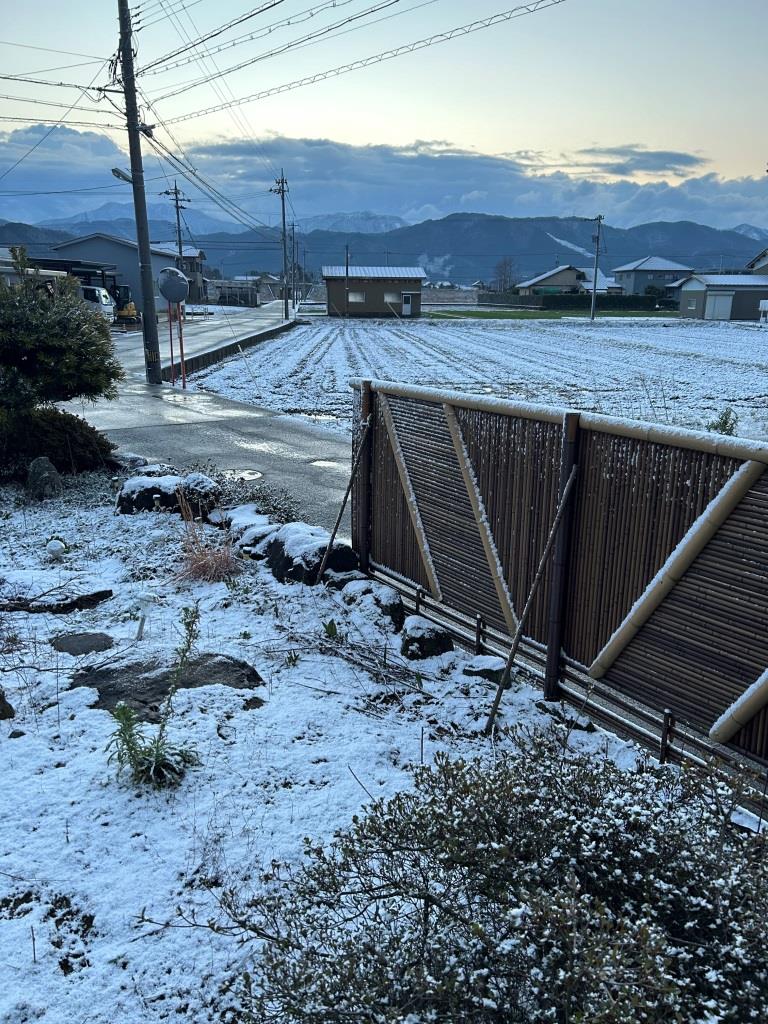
x,y
192,262
568,280
722,296
651,272
759,265
123,255
374,291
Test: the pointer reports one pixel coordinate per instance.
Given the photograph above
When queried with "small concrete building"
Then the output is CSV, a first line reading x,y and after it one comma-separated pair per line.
x,y
568,280
722,296
374,291
123,254
650,272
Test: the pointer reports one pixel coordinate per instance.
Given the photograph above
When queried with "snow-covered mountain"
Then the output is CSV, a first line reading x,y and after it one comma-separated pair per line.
x,y
362,223
750,231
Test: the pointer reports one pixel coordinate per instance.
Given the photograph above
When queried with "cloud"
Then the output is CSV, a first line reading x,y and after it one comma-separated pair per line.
x,y
425,179
633,159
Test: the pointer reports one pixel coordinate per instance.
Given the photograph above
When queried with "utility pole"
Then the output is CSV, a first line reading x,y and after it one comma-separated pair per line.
x,y
135,129
346,280
178,199
281,187
596,240
293,266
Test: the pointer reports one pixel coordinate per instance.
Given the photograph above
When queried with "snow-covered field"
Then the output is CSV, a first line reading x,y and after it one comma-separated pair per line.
x,y
100,884
669,371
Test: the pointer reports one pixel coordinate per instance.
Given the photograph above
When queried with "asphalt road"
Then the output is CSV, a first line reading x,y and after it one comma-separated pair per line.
x,y
185,427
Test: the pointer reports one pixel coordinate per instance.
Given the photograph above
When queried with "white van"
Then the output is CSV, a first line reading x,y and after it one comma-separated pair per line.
x,y
100,299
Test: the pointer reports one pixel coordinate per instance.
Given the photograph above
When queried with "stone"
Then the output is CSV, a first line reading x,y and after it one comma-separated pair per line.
x,y
43,480
6,709
376,596
138,493
485,666
295,551
16,734
570,721
82,643
339,580
145,685
424,639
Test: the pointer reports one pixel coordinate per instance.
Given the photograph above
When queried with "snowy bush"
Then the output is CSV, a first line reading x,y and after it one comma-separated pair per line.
x,y
545,886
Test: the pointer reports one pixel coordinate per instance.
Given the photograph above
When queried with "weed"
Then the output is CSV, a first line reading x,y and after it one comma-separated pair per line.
x,y
331,630
152,761
725,422
201,560
292,659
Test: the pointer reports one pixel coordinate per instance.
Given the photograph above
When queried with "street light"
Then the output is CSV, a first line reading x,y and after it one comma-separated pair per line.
x,y
122,175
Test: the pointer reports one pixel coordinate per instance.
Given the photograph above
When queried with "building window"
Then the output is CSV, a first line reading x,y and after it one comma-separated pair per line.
x,y
392,298
357,296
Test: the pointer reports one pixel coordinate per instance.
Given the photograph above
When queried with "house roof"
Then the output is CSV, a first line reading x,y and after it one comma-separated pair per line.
x,y
546,275
386,273
728,280
762,257
651,263
157,249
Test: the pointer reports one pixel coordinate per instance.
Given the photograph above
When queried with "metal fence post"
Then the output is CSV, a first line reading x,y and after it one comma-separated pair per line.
x,y
667,729
361,490
559,577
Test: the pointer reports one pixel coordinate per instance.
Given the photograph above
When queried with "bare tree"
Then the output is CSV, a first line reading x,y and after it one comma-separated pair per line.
x,y
505,274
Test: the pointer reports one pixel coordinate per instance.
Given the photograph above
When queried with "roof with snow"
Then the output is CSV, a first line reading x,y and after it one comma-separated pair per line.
x,y
651,263
761,258
386,273
728,280
547,274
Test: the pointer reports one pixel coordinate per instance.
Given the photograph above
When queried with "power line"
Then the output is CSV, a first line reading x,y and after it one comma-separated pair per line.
x,y
441,37
49,49
291,44
47,120
37,102
295,19
215,32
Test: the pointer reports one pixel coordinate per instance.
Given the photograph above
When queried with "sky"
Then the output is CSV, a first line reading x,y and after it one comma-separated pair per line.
x,y
640,109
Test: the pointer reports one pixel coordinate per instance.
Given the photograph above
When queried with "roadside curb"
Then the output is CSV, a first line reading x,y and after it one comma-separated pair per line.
x,y
217,355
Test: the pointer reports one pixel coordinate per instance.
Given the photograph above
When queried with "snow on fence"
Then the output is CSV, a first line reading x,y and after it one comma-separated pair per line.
x,y
657,594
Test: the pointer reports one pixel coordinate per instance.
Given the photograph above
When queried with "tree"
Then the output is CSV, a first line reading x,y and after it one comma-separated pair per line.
x,y
53,346
505,274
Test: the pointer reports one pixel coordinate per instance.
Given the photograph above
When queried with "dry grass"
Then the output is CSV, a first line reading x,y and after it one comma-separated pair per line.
x,y
200,559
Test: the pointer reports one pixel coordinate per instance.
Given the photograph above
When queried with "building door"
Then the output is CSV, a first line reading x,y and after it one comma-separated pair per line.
x,y
407,309
718,306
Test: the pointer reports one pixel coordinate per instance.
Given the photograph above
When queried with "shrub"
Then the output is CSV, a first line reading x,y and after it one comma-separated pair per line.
x,y
53,346
72,444
546,886
151,761
725,422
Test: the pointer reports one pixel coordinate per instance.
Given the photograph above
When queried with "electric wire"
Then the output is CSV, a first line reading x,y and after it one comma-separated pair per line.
x,y
283,48
440,37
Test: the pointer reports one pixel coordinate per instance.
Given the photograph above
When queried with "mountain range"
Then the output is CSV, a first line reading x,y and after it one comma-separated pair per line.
x,y
461,247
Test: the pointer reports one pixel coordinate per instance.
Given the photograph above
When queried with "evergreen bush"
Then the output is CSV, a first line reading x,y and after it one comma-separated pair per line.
x,y
546,886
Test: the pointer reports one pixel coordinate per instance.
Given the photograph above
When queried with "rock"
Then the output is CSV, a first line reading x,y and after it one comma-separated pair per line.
x,y
145,685
137,493
560,714
56,549
250,541
43,480
294,553
6,709
82,643
339,580
16,734
424,639
376,596
485,666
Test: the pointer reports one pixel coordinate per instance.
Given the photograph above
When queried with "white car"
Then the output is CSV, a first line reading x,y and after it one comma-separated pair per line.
x,y
100,299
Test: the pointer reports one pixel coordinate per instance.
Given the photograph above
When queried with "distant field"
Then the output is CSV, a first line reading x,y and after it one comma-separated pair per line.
x,y
653,368
489,313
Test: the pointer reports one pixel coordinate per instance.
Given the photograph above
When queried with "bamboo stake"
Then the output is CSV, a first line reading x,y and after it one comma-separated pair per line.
x,y
507,673
337,524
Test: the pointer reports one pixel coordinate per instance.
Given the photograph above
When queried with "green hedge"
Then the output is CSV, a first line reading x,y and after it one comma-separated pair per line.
x,y
71,443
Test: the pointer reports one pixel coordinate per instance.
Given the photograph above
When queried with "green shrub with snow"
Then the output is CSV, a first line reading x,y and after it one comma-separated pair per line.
x,y
547,886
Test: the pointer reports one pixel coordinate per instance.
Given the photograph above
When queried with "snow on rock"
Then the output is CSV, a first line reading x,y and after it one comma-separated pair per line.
x,y
424,639
485,666
376,598
294,552
137,493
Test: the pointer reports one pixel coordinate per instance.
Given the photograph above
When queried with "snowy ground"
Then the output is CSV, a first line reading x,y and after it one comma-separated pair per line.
x,y
670,371
91,869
